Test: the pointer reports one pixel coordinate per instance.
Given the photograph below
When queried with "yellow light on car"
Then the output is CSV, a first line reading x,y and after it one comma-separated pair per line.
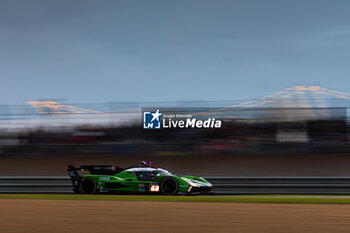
x,y
154,188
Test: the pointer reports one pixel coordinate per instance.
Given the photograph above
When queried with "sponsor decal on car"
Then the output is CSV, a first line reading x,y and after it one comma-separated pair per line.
x,y
103,178
141,187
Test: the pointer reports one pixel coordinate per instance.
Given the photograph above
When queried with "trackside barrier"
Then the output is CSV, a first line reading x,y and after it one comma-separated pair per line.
x,y
222,185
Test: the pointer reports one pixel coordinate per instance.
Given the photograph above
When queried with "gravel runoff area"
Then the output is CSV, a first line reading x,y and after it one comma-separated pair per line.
x,y
52,215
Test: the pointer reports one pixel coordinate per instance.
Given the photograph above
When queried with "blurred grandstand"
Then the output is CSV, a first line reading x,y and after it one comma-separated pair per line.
x,y
294,120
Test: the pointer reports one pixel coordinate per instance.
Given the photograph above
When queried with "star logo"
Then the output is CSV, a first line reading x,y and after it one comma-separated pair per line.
x,y
156,115
151,120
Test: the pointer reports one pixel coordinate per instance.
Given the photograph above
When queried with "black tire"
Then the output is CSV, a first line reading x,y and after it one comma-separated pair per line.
x,y
88,186
169,186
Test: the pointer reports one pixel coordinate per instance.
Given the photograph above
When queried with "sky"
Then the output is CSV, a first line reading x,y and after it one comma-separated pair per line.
x,y
84,51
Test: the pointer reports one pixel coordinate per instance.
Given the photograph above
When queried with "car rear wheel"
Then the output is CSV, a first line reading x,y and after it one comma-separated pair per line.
x,y
169,186
88,186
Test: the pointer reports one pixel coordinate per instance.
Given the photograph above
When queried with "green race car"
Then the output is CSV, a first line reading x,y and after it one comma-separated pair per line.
x,y
140,179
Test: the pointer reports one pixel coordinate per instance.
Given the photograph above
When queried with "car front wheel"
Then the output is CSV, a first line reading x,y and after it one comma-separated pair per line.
x,y
169,186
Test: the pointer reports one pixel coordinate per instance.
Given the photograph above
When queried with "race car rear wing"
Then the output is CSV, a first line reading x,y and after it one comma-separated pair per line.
x,y
94,169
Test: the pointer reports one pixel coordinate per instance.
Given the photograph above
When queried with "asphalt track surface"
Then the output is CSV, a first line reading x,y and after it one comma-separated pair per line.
x,y
23,215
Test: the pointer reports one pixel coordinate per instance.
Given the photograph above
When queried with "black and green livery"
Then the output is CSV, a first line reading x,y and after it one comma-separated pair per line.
x,y
140,179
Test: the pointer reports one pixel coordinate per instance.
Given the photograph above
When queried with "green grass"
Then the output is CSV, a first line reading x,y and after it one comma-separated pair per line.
x,y
302,199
